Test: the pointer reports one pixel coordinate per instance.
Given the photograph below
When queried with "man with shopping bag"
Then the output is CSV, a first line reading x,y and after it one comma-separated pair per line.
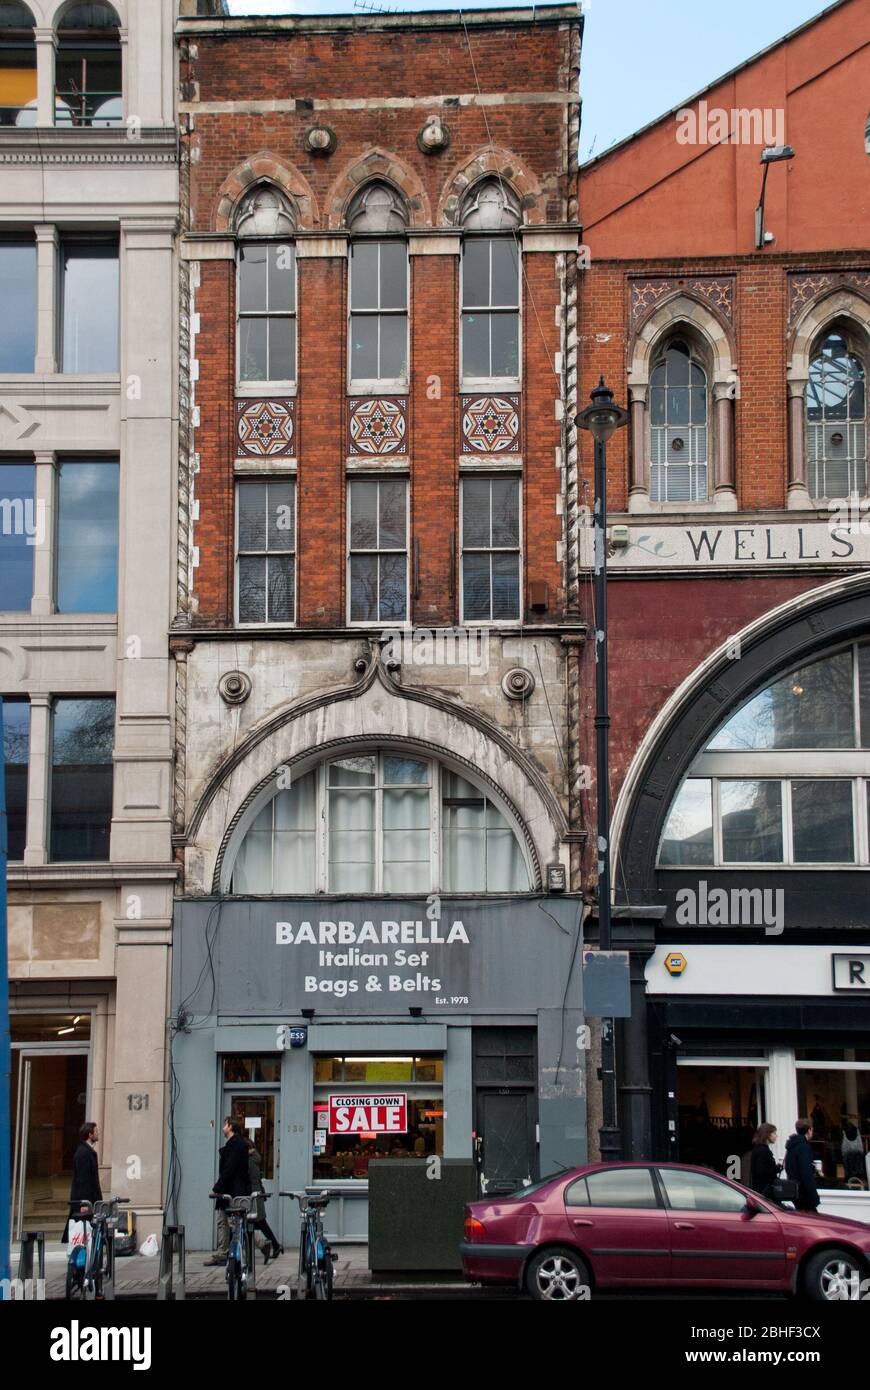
x,y
85,1180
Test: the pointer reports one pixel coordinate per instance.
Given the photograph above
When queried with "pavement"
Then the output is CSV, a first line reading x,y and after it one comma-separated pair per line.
x,y
136,1276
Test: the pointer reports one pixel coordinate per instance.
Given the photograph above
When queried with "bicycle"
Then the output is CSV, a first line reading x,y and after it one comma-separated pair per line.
x,y
240,1253
316,1258
87,1270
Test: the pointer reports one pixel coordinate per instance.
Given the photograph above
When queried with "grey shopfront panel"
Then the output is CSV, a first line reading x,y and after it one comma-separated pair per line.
x,y
243,970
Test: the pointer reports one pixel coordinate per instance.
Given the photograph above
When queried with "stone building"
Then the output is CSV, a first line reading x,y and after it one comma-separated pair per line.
x,y
88,405
378,618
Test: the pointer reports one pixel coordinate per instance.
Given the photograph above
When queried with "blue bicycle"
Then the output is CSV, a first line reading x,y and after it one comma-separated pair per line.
x,y
316,1258
89,1271
240,1253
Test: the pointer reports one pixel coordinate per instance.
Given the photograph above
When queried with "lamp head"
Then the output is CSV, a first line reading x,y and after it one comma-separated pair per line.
x,y
773,154
602,417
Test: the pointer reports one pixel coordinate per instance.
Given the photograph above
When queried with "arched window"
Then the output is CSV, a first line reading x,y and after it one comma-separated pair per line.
x,y
678,425
266,290
88,67
786,778
489,216
836,420
17,65
379,822
377,220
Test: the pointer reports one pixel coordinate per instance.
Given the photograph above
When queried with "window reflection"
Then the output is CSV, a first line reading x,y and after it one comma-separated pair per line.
x,y
90,306
18,297
83,733
19,531
688,836
811,707
87,538
16,747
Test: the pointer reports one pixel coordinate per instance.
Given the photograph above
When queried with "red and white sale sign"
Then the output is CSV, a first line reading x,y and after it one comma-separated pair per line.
x,y
375,1114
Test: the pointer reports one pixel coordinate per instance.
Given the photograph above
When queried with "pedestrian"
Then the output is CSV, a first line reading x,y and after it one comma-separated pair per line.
x,y
763,1167
232,1181
800,1168
86,1173
852,1148
258,1209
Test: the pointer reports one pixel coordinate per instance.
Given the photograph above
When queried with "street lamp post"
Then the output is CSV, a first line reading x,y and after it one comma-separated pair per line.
x,y
602,418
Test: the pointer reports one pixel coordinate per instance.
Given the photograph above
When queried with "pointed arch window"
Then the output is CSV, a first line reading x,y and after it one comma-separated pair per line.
x,y
490,312
266,291
678,425
378,301
382,821
786,777
836,420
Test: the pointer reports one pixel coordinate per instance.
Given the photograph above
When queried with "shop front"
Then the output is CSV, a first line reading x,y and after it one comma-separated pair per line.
x,y
342,1032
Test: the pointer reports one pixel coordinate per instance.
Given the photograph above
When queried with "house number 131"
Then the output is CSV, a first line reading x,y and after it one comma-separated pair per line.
x,y
137,1101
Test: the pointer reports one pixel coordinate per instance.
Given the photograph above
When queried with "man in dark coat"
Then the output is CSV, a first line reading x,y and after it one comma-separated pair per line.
x,y
800,1168
86,1172
233,1180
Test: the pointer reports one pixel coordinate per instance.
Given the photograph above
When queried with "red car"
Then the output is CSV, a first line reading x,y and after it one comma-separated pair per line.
x,y
609,1225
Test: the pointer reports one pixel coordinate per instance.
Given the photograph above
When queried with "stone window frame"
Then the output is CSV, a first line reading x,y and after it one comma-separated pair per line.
x,y
240,480
278,385
467,209
683,316
848,312
378,386
377,474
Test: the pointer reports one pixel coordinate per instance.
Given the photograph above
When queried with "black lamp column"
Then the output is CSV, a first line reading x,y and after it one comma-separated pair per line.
x,y
602,418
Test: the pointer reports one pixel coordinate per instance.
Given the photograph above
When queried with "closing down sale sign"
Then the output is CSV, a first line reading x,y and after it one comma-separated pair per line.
x,y
356,1114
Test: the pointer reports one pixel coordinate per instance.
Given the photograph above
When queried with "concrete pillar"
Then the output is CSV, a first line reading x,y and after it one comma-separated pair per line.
x,y
36,848
46,49
798,498
459,1120
638,495
782,1098
45,498
47,299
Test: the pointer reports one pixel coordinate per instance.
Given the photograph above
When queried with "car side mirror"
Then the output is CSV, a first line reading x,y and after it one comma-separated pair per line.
x,y
751,1208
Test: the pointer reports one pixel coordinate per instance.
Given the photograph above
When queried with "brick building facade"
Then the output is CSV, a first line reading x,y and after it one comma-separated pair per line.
x,y
738,561
378,605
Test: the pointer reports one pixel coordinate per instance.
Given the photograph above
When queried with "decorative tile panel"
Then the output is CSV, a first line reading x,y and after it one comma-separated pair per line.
x,y
717,290
378,425
265,429
491,425
804,286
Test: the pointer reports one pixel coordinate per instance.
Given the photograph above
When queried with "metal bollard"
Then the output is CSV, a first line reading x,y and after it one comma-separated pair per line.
x,y
25,1263
172,1261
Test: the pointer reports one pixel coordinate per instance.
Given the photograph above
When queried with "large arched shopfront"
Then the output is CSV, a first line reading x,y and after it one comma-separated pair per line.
x,y
743,831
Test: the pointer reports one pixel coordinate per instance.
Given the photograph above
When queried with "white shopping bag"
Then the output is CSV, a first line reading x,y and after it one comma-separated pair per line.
x,y
79,1236
149,1245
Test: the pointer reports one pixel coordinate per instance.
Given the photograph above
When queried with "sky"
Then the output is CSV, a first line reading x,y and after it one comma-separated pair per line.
x,y
640,57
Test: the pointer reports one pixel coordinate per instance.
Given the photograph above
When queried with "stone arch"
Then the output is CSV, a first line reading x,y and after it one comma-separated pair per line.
x,y
266,167
54,13
683,310
355,715
783,636
387,168
825,309
487,161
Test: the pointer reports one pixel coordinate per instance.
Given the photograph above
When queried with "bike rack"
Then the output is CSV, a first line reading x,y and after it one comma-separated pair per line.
x,y
29,1239
172,1265
252,1262
109,1280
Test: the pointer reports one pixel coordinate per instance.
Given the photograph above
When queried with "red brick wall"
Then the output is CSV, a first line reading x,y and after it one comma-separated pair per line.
x,y
298,68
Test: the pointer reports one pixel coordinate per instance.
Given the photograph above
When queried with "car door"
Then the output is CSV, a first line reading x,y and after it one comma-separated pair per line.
x,y
617,1218
713,1238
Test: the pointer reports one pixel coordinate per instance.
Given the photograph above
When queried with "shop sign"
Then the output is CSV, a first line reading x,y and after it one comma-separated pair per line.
x,y
372,1114
843,540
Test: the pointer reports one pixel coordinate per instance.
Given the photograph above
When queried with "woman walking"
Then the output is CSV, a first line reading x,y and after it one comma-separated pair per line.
x,y
763,1167
258,1208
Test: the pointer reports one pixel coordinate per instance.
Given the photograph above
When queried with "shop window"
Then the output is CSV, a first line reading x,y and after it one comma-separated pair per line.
x,y
368,820
266,291
378,324
491,550
786,777
88,67
87,537
83,733
378,550
836,421
90,314
834,1093
18,297
256,1069
19,532
17,66
490,279
266,550
678,426
16,749
419,1080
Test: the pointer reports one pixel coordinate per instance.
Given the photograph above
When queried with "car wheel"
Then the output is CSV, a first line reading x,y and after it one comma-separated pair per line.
x,y
558,1276
833,1276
